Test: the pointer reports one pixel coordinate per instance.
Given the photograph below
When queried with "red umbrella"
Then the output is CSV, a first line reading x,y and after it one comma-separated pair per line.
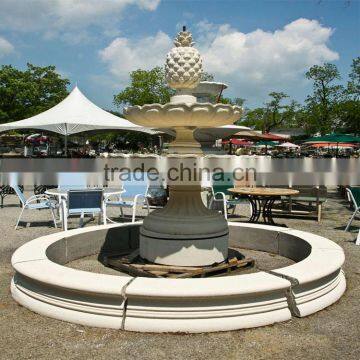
x,y
273,137
240,142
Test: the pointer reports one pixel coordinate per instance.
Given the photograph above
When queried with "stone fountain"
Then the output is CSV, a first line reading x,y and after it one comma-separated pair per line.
x,y
184,232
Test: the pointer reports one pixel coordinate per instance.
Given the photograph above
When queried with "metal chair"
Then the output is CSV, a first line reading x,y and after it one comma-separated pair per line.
x,y
35,202
354,194
135,193
82,202
6,190
221,199
357,241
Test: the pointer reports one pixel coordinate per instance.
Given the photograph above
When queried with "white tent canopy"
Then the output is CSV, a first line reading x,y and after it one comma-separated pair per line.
x,y
73,115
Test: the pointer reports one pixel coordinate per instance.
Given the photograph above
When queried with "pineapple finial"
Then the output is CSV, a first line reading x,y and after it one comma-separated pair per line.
x,y
183,38
183,67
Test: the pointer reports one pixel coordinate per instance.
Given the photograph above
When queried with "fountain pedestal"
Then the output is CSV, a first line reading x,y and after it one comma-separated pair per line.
x,y
184,232
185,142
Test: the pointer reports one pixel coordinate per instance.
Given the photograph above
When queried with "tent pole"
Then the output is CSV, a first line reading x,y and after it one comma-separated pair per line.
x,y
66,140
66,145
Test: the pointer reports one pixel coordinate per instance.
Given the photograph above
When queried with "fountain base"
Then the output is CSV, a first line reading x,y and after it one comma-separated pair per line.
x,y
193,252
184,232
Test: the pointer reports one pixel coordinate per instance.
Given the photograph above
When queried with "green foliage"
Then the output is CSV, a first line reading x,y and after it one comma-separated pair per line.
x,y
353,87
330,107
273,114
348,110
146,87
348,114
30,92
235,101
254,118
130,140
321,104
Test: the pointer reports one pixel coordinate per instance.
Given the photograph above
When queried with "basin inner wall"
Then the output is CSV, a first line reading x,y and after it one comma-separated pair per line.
x,y
113,240
121,239
271,241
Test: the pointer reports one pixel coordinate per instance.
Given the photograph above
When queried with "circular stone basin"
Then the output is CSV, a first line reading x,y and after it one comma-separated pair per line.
x,y
263,261
43,284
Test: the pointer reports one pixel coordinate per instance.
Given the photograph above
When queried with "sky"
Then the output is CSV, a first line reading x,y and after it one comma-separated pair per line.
x,y
255,47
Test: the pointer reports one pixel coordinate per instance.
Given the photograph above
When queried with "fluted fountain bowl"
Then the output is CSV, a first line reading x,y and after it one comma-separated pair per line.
x,y
170,115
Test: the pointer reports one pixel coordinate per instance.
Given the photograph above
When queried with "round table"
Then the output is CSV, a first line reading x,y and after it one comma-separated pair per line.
x,y
62,193
262,200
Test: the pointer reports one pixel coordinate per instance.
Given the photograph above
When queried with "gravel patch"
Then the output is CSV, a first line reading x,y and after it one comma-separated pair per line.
x,y
329,334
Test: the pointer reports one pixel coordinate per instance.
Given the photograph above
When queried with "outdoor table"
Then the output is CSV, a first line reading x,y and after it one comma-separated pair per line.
x,y
61,194
262,200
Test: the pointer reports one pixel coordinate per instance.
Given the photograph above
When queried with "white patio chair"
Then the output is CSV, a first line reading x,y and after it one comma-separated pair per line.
x,y
355,198
135,193
82,202
35,202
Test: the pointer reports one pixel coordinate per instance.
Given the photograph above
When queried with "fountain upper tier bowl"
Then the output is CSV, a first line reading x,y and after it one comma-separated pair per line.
x,y
172,115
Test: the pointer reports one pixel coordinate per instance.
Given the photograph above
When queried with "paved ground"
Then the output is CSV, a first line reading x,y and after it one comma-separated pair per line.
x,y
333,333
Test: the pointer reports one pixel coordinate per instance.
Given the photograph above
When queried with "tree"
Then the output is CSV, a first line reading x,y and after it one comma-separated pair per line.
x,y
353,86
348,110
273,117
254,118
30,92
146,87
290,114
321,104
234,101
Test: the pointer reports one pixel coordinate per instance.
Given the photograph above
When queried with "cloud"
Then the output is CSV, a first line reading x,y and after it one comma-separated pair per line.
x,y
123,55
66,17
257,62
252,64
5,47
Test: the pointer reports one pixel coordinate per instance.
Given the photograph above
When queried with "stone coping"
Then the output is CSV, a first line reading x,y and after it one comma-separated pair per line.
x,y
44,285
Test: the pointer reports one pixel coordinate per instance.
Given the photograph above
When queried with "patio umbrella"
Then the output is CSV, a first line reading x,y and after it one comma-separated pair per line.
x,y
273,137
238,142
288,145
332,145
73,115
257,135
333,138
248,134
266,143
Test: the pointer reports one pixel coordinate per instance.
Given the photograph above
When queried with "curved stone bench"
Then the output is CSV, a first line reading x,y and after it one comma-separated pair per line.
x,y
42,284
